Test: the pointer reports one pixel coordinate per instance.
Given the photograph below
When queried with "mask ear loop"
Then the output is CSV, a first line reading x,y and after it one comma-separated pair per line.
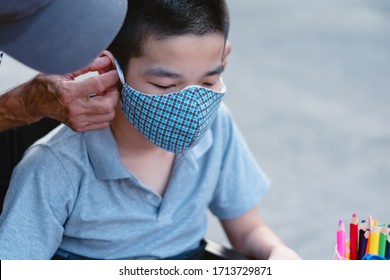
x,y
120,72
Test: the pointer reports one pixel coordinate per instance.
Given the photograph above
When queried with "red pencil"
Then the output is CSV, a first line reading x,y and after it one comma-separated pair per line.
x,y
353,237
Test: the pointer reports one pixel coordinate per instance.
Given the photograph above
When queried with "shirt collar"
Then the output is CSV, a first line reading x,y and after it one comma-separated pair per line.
x,y
203,146
104,156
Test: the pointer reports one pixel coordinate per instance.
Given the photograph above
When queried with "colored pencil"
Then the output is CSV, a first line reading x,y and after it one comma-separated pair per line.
x,y
370,225
382,241
387,254
363,244
370,222
353,237
341,240
374,239
362,230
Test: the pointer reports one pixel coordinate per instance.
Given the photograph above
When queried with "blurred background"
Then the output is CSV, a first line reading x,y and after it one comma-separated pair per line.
x,y
308,84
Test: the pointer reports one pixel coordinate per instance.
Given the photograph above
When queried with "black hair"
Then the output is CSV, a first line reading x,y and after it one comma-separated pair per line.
x,y
162,18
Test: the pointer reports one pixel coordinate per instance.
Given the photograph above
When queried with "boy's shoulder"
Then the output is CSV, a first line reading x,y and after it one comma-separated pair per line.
x,y
62,134
62,142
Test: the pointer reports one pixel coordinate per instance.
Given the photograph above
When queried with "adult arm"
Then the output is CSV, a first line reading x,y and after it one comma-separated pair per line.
x,y
65,99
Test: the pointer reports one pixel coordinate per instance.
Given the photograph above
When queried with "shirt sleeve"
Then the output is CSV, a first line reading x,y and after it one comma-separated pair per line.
x,y
37,204
241,182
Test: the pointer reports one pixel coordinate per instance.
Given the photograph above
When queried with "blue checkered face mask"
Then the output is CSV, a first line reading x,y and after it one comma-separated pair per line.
x,y
174,121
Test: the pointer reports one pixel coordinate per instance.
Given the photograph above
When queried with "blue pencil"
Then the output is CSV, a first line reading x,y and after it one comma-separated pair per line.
x,y
362,231
363,244
387,254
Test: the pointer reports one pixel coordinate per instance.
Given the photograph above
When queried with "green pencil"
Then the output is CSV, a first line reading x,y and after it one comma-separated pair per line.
x,y
382,241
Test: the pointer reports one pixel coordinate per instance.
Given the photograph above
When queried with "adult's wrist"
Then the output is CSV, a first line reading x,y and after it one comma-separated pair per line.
x,y
32,96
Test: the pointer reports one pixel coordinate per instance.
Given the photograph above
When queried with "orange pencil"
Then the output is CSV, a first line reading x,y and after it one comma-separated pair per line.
x,y
353,237
370,226
374,239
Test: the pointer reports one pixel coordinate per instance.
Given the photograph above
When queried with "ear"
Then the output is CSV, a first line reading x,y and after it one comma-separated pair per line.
x,y
111,67
111,57
226,52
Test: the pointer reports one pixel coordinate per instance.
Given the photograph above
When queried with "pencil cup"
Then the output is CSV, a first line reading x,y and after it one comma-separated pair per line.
x,y
337,256
373,257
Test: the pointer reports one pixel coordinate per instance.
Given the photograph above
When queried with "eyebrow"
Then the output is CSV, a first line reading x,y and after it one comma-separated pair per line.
x,y
165,73
162,72
218,70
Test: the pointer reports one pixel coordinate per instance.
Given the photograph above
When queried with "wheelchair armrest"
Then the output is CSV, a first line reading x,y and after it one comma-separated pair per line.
x,y
215,251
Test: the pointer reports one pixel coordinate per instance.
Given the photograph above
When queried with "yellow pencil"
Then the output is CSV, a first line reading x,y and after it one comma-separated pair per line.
x,y
374,239
348,251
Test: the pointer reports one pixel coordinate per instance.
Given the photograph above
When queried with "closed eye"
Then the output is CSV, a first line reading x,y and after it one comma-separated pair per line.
x,y
163,87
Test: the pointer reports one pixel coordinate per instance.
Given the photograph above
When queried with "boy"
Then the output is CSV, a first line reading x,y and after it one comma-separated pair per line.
x,y
140,190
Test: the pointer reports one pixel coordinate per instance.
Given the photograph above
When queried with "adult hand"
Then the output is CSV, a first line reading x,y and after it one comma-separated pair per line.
x,y
86,104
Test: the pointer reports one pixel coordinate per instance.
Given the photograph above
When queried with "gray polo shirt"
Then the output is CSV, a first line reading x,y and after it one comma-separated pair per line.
x,y
71,192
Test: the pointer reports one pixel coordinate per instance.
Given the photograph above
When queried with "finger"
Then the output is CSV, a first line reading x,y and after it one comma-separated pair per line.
x,y
84,121
99,105
94,119
100,63
94,84
89,126
107,102
97,126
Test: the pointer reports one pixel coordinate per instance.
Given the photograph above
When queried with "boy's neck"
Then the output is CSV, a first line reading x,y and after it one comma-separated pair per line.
x,y
129,140
147,162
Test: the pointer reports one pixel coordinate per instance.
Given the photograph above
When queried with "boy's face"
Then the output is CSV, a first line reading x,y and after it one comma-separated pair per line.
x,y
171,64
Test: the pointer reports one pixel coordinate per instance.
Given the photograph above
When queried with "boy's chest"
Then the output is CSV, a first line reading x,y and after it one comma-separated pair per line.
x,y
153,173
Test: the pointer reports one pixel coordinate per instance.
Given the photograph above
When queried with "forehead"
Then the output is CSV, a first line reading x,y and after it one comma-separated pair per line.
x,y
182,53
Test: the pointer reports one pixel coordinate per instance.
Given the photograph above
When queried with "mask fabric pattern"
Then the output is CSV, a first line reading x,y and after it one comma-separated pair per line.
x,y
175,121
